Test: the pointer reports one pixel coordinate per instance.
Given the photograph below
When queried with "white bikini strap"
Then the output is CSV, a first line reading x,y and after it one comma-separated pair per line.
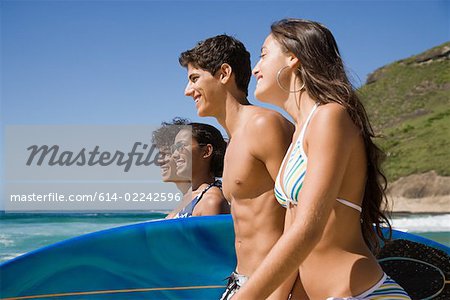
x,y
302,133
374,288
350,204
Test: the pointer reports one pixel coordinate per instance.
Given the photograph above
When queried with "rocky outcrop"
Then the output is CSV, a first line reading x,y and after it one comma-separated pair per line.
x,y
427,192
433,55
436,54
375,75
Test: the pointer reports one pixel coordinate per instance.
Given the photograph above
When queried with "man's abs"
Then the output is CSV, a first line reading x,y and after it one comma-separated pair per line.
x,y
258,224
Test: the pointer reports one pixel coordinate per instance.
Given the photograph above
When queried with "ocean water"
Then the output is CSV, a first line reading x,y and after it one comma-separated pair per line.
x,y
435,227
20,233
24,232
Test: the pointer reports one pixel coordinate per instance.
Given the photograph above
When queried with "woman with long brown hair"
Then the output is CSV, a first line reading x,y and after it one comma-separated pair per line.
x,y
330,180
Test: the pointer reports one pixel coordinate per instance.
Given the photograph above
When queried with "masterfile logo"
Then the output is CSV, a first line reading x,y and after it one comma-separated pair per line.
x,y
140,154
69,152
89,168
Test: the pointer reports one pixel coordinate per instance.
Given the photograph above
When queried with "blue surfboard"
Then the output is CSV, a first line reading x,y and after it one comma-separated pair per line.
x,y
166,259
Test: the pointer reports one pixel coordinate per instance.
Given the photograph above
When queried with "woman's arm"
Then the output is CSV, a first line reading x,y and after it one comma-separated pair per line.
x,y
330,136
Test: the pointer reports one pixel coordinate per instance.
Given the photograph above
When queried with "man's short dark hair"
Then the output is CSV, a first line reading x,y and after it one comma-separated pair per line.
x,y
164,136
211,53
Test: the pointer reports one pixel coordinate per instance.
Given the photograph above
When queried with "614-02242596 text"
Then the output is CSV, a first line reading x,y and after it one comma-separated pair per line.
x,y
97,197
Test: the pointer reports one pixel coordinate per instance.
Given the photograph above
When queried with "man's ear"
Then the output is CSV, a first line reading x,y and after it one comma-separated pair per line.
x,y
208,151
225,73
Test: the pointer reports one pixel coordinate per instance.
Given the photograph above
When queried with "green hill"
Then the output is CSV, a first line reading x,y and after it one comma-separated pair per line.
x,y
408,103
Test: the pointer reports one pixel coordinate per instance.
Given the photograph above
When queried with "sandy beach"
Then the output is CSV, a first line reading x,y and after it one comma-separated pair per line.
x,y
436,204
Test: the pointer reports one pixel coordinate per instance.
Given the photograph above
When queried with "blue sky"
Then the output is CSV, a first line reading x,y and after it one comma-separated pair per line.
x,y
116,62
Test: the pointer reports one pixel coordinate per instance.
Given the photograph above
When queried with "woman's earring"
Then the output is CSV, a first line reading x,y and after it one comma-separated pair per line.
x,y
284,89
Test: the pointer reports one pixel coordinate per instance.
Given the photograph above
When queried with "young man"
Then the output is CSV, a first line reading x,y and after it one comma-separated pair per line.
x,y
163,138
218,76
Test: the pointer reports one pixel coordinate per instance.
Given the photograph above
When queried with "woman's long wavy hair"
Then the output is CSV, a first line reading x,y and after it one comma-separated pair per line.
x,y
326,81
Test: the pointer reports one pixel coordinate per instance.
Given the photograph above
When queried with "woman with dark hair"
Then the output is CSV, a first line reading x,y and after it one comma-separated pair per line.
x,y
198,152
330,181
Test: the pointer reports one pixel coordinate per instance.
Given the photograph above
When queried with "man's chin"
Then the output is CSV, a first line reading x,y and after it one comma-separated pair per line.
x,y
165,179
184,174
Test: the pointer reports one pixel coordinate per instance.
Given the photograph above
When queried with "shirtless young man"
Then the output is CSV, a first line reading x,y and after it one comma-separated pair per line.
x,y
218,76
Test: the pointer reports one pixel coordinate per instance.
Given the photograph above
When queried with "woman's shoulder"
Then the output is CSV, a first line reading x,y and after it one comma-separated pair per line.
x,y
212,201
332,110
333,117
213,194
330,127
213,197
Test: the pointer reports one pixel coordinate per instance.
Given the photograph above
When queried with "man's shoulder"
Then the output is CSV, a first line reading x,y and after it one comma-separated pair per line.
x,y
260,118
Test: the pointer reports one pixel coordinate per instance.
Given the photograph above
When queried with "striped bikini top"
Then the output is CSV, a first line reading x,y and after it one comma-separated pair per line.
x,y
290,181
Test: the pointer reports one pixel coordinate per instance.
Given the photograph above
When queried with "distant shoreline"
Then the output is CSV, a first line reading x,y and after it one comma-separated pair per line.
x,y
408,213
